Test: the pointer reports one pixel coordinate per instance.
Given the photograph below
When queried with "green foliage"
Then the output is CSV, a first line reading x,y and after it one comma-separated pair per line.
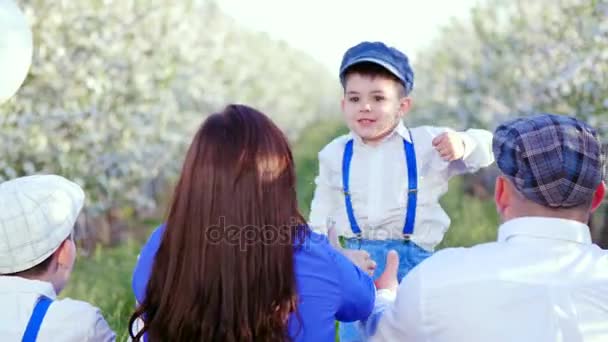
x,y
305,152
473,220
514,58
104,280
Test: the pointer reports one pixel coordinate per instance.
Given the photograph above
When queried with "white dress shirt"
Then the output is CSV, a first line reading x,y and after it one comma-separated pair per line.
x,y
379,184
543,281
65,320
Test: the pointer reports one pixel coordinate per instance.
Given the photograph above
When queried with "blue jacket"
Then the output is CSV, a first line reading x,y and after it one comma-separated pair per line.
x,y
330,287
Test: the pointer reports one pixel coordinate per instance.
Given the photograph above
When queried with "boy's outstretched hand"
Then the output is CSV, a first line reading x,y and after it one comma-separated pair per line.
x,y
449,145
360,258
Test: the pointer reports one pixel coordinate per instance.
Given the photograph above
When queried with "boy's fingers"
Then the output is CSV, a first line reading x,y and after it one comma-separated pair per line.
x,y
438,139
373,265
371,268
446,155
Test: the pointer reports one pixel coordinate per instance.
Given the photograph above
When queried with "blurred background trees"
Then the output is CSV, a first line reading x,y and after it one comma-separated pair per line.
x,y
516,58
118,87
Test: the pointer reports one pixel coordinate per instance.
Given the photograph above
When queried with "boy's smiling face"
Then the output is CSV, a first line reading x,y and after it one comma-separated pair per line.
x,y
373,106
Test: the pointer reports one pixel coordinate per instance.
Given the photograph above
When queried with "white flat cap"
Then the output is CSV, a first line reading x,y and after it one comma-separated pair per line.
x,y
37,213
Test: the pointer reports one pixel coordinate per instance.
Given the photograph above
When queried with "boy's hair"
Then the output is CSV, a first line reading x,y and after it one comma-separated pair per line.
x,y
39,269
373,70
35,271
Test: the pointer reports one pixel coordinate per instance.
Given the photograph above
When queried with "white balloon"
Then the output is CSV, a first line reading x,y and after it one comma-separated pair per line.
x,y
15,49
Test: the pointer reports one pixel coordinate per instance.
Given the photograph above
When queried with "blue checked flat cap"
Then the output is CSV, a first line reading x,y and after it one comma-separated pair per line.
x,y
390,58
553,160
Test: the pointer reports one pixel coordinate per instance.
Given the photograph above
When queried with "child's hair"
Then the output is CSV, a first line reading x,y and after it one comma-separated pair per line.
x,y
39,269
35,271
373,70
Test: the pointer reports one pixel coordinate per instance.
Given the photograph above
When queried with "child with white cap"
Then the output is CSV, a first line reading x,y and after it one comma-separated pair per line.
x,y
37,255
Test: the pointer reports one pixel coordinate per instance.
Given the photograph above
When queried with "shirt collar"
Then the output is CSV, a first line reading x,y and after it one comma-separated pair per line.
x,y
400,130
545,228
19,284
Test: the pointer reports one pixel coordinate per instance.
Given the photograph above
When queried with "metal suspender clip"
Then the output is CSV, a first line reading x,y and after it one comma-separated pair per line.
x,y
359,237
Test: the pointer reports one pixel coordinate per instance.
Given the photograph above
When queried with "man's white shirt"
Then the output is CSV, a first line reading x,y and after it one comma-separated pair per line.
x,y
542,281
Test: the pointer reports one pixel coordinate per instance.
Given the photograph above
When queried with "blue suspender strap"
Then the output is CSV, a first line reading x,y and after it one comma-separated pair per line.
x,y
348,156
33,326
412,187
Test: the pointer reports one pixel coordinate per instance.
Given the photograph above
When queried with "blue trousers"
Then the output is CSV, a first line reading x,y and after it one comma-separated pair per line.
x,y
410,255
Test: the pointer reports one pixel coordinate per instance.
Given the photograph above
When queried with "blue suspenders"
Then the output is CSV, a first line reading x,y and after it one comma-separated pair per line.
x,y
33,326
412,186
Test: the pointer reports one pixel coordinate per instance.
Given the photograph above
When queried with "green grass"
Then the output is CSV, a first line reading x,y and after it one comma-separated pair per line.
x,y
104,277
104,280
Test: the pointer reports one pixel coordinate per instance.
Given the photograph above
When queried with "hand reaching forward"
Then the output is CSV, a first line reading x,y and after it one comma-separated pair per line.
x,y
360,258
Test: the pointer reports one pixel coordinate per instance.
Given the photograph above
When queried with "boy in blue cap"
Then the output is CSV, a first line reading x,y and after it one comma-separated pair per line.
x,y
379,186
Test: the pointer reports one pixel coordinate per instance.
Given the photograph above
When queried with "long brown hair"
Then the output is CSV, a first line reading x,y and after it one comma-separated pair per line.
x,y
224,270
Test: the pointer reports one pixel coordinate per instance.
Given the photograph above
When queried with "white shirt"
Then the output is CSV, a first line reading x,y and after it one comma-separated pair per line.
x,y
379,184
543,281
65,320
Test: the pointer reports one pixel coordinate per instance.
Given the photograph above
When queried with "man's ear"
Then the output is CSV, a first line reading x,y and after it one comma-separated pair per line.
x,y
503,194
598,196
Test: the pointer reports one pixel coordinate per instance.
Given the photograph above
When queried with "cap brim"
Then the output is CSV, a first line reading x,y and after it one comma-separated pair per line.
x,y
376,61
